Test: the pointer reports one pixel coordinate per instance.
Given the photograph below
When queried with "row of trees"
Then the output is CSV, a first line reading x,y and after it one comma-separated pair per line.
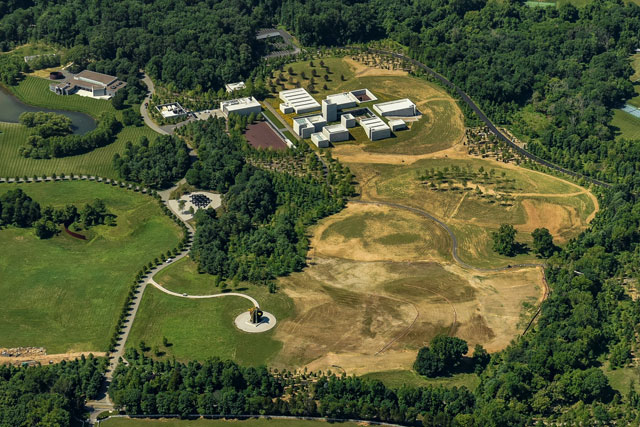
x,y
156,164
146,386
51,395
39,147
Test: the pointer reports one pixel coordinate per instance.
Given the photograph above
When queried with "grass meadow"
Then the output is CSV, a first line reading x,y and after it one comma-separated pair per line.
x,y
66,294
398,378
204,328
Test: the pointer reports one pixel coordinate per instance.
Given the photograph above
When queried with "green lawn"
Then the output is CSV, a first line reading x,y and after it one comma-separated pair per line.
x,y
276,121
170,422
199,329
397,379
620,379
625,125
66,294
35,91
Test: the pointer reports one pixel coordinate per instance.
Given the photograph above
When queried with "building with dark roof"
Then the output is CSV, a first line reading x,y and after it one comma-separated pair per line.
x,y
91,81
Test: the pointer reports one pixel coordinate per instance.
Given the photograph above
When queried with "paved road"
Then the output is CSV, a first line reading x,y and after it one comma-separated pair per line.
x,y
488,122
288,39
144,111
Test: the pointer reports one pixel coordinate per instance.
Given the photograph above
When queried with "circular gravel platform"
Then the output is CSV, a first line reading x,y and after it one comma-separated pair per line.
x,y
243,322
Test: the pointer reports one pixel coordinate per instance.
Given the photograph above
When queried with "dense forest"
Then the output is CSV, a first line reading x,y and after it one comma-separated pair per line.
x,y
189,44
48,395
260,232
157,164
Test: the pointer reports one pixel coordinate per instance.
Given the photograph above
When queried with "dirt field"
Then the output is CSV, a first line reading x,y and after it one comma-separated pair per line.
x,y
45,359
374,316
260,135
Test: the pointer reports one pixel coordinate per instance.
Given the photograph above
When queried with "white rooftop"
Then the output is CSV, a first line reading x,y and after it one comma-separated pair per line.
x,y
299,99
396,105
348,116
238,104
235,86
374,123
335,128
342,98
396,122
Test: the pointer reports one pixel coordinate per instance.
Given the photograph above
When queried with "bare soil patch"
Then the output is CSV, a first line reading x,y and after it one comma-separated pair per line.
x,y
260,135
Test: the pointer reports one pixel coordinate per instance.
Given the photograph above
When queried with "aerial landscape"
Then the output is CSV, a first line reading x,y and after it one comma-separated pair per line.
x,y
263,213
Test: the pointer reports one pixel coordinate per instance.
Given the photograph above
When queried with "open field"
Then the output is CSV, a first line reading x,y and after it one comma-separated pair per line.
x,y
439,127
200,329
523,198
397,379
170,422
65,294
373,316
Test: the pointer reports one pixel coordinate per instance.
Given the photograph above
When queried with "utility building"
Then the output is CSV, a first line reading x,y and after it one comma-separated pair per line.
x,y
305,126
300,100
375,128
397,108
397,124
242,106
230,87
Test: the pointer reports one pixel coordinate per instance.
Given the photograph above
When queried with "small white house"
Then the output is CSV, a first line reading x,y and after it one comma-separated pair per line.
x,y
286,108
231,87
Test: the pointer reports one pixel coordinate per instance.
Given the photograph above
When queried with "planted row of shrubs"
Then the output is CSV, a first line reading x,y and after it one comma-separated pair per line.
x,y
146,269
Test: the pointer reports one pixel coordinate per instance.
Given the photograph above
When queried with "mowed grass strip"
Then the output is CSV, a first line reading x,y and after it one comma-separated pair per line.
x,y
204,328
625,125
171,422
96,162
66,294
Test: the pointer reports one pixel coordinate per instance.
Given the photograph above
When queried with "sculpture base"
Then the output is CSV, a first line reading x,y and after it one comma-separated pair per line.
x,y
243,322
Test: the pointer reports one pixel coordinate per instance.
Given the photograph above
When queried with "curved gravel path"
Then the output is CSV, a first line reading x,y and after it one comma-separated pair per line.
x,y
454,239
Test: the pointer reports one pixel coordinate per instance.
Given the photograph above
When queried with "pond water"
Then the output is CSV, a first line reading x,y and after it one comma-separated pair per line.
x,y
11,108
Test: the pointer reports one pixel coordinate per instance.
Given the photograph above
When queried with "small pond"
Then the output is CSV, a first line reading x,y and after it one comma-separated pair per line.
x,y
11,108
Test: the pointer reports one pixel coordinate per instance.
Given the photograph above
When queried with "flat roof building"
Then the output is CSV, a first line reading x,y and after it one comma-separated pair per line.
x,y
242,106
305,126
375,128
397,124
300,100
398,108
171,110
343,100
336,133
320,140
97,84
235,86
347,120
